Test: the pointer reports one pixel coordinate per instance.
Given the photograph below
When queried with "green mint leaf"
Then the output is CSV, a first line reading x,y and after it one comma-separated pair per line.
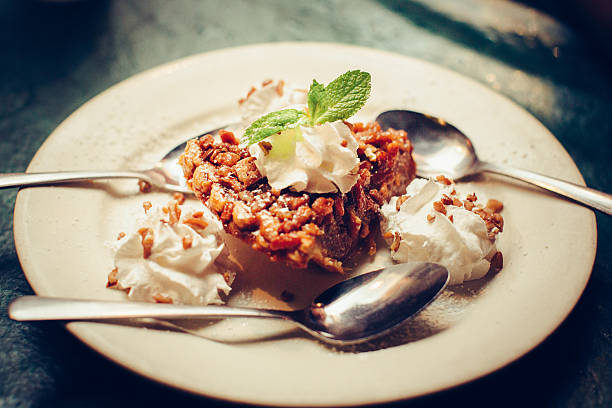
x,y
343,97
272,123
316,100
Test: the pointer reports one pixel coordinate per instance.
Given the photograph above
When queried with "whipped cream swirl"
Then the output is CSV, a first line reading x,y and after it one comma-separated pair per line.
x,y
185,264
458,240
318,159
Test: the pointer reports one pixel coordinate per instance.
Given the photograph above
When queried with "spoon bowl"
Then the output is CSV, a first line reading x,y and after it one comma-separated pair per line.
x,y
441,148
352,311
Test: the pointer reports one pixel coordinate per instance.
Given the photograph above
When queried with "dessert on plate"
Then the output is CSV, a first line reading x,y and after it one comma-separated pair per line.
x,y
434,222
175,254
302,184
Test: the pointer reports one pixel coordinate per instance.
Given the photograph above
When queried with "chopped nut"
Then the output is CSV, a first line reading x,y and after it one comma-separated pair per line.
x,y
443,179
457,202
144,186
161,298
431,218
112,278
247,171
468,205
323,206
121,235
187,241
196,223
343,143
242,216
228,277
279,87
396,241
400,201
174,212
147,240
495,205
147,206
471,197
446,200
179,197
439,207
228,137
197,214
450,218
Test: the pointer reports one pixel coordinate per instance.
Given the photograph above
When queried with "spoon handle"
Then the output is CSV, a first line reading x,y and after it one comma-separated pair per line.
x,y
595,199
28,308
33,179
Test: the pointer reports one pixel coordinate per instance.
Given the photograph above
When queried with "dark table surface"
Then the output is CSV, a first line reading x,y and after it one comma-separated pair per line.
x,y
56,56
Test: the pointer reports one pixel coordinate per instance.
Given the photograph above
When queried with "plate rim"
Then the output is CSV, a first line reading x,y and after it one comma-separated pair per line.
x,y
83,331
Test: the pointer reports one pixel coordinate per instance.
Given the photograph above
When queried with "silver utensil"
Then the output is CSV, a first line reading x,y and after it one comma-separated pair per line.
x,y
439,147
352,311
166,174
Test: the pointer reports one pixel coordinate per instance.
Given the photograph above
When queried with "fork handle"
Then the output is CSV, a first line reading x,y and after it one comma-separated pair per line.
x,y
593,198
31,308
33,179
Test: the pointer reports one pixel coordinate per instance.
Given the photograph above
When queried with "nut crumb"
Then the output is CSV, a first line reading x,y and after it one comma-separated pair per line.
x,y
401,200
179,197
112,278
144,186
147,206
121,235
187,241
147,240
439,207
265,146
495,205
161,298
431,218
196,223
279,87
443,179
471,197
396,241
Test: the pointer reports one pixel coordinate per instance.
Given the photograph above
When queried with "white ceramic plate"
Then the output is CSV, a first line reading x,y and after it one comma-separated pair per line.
x,y
548,243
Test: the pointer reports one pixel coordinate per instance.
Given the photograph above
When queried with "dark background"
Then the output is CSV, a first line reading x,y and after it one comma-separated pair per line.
x,y
56,56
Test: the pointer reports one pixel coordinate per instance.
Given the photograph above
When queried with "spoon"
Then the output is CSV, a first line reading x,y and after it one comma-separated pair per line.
x,y
352,311
440,147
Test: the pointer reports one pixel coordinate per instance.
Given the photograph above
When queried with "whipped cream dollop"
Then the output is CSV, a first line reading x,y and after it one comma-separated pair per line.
x,y
174,256
318,159
453,236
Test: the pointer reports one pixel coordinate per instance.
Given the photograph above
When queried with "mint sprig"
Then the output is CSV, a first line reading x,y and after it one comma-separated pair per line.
x,y
339,100
273,122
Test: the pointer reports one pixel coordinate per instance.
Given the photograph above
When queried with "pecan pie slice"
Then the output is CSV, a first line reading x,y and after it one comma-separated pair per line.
x,y
299,227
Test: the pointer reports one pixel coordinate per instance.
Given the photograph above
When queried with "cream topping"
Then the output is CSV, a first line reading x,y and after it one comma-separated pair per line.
x,y
318,159
189,274
461,245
